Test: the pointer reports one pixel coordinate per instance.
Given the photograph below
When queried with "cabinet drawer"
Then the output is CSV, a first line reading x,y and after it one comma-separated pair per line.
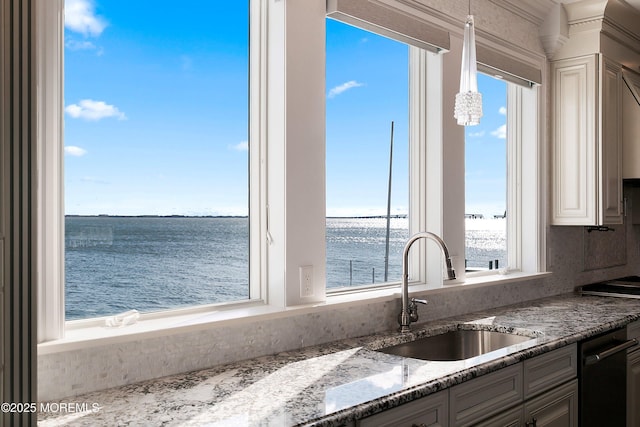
x,y
483,397
432,410
633,331
550,370
514,417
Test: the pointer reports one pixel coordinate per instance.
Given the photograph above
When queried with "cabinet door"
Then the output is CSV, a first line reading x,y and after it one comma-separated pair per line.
x,y
574,165
610,142
587,141
429,411
633,389
631,125
556,408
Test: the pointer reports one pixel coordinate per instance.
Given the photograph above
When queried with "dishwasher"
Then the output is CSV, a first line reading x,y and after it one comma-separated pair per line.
x,y
603,379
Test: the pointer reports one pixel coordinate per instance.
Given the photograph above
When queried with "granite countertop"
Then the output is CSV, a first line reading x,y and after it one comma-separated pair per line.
x,y
333,384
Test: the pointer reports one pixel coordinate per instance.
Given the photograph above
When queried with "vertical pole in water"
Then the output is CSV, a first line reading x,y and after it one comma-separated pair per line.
x,y
350,272
386,253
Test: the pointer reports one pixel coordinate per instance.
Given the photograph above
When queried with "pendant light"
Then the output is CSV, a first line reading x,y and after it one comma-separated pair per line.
x,y
468,107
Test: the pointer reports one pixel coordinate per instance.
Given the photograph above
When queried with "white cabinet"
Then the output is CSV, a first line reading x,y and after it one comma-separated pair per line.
x,y
631,125
549,370
548,394
429,411
586,141
542,391
484,396
555,408
513,417
549,399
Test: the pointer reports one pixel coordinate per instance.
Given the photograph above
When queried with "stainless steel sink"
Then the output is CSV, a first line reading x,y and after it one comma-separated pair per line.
x,y
455,345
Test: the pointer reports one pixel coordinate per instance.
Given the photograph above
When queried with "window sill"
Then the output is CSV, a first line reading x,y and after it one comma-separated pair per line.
x,y
92,333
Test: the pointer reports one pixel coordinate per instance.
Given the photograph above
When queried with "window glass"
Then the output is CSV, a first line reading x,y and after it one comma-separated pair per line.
x,y
367,90
156,155
486,180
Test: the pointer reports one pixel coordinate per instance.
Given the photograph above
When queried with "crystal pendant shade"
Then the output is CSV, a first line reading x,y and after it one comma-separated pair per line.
x,y
468,107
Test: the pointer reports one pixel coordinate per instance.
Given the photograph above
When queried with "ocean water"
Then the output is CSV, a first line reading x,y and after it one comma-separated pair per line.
x,y
114,264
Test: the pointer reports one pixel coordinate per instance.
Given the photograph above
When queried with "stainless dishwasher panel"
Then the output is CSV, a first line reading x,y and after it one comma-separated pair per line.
x,y
603,379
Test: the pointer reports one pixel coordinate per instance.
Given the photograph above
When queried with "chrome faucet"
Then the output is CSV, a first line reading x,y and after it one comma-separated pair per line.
x,y
409,311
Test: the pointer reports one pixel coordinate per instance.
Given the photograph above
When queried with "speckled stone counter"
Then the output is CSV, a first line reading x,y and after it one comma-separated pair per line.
x,y
334,384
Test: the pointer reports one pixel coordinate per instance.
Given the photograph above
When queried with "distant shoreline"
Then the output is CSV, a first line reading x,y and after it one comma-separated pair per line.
x,y
154,216
400,216
220,216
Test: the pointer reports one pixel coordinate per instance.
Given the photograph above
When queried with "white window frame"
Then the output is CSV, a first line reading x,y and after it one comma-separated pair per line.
x,y
436,176
50,216
520,102
287,154
50,158
437,147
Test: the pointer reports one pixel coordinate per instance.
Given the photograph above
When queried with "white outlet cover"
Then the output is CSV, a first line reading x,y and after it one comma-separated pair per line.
x,y
306,281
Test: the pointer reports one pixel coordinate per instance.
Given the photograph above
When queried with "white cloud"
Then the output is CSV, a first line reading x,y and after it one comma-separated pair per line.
x,y
501,132
343,87
80,17
72,150
476,134
241,146
76,45
79,45
503,111
89,109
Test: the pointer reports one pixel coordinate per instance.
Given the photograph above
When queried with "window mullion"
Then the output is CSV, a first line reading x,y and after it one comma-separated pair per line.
x,y
50,76
258,230
437,158
425,159
514,176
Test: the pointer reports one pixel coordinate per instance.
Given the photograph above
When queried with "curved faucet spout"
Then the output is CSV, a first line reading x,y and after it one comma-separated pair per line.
x,y
409,311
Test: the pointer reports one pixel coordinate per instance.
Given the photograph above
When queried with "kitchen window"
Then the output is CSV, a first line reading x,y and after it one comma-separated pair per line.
x,y
289,194
156,159
367,110
449,184
156,156
486,181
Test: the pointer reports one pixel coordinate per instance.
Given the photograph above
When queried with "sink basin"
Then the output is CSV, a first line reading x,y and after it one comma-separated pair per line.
x,y
455,345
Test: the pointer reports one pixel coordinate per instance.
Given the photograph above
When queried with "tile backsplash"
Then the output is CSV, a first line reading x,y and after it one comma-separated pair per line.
x,y
604,247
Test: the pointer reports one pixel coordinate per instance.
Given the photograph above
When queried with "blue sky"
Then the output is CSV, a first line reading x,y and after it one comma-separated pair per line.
x,y
156,114
156,108
367,88
485,152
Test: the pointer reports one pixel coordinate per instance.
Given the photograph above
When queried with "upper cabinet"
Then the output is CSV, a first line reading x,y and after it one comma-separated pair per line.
x,y
591,45
586,141
631,125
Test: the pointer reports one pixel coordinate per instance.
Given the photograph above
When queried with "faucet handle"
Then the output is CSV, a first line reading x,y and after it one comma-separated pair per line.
x,y
413,308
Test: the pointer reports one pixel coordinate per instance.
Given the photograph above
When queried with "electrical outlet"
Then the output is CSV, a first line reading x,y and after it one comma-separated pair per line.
x,y
306,281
